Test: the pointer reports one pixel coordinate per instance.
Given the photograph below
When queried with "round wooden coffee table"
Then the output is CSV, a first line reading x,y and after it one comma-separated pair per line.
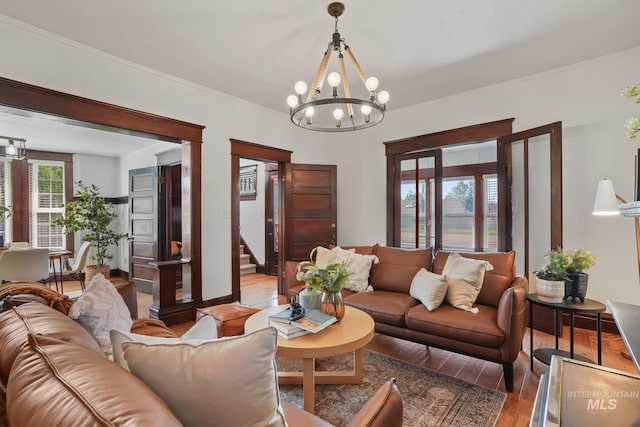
x,y
350,334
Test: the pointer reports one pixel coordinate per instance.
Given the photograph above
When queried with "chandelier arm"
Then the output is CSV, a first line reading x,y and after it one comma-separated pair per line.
x,y
316,86
361,73
347,92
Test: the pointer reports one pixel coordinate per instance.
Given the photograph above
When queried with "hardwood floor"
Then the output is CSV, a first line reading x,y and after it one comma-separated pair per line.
x,y
259,291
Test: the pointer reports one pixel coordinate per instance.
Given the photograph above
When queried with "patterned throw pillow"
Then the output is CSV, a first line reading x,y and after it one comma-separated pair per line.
x,y
100,309
359,269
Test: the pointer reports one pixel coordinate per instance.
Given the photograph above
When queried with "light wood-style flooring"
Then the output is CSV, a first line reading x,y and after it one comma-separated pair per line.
x,y
259,291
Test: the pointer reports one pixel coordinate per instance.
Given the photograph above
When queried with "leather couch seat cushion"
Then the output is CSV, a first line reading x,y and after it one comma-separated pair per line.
x,y
397,268
54,383
37,318
447,321
385,307
495,282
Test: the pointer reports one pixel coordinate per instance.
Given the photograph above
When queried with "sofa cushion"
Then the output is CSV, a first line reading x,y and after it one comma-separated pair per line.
x,y
464,278
359,267
229,382
429,288
204,330
383,409
384,306
476,328
99,309
496,281
397,267
37,318
54,383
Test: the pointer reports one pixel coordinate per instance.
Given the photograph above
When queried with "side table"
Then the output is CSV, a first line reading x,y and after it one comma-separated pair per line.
x,y
588,306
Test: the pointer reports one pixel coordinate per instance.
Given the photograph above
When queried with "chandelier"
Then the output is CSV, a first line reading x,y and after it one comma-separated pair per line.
x,y
15,150
337,113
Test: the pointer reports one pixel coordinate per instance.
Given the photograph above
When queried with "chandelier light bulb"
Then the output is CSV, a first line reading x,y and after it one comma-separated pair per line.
x,y
300,88
383,97
371,83
309,112
334,79
338,114
292,101
365,109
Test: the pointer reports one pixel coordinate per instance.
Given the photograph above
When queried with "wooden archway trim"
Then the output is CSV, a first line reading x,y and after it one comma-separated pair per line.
x,y
79,110
259,152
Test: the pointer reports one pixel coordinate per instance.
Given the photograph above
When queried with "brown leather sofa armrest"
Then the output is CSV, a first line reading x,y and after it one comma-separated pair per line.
x,y
290,270
384,408
128,293
512,317
296,417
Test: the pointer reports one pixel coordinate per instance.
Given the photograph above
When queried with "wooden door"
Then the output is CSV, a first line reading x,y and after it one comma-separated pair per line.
x,y
272,218
143,226
310,203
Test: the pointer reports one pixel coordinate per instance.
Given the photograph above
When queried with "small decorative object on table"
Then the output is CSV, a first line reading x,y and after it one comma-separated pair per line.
x,y
330,280
564,275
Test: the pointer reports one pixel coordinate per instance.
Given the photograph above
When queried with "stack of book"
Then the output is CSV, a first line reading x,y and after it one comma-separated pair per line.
x,y
313,321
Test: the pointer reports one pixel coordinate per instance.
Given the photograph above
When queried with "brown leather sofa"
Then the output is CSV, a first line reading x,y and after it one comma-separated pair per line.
x,y
53,373
495,333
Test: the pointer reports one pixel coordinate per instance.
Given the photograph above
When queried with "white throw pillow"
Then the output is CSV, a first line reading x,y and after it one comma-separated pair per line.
x,y
326,256
359,267
100,309
464,277
429,288
230,382
204,330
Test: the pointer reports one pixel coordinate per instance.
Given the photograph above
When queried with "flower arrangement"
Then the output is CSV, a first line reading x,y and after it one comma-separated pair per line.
x,y
331,278
563,262
632,124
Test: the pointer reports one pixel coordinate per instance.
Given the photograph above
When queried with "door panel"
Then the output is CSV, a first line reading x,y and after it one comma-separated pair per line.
x,y
143,226
310,218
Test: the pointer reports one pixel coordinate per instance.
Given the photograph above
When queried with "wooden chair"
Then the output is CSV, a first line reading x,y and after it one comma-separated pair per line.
x,y
24,265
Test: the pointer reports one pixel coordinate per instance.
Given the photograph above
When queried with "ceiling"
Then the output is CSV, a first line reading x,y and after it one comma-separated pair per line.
x,y
420,50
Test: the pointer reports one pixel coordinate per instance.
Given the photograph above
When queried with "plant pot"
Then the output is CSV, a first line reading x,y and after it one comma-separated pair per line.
x,y
332,304
550,290
576,287
92,270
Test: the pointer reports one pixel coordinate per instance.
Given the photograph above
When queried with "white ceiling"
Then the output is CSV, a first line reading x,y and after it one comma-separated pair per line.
x,y
420,50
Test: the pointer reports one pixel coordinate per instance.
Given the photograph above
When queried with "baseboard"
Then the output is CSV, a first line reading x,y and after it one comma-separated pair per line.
x,y
589,322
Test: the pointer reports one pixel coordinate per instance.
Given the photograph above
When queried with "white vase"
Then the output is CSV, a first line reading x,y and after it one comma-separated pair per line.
x,y
550,290
309,300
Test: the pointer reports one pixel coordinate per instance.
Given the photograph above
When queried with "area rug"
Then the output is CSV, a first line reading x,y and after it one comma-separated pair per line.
x,y
429,398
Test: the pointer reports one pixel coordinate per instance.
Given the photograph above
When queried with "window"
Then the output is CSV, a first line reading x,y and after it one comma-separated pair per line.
x,y
46,185
451,204
5,198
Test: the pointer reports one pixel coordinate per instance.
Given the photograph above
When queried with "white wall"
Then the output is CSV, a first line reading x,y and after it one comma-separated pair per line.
x,y
252,215
585,97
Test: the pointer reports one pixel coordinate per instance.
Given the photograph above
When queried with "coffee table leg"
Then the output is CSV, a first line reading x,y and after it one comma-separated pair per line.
x,y
358,365
309,384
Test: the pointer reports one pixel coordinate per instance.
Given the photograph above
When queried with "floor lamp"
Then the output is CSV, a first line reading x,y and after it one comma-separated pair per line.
x,y
606,204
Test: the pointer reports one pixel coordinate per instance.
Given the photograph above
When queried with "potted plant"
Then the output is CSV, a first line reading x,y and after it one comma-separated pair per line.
x,y
564,275
91,213
577,262
329,280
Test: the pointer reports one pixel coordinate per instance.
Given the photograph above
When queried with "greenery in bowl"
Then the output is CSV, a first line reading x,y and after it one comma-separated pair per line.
x,y
563,262
330,279
91,213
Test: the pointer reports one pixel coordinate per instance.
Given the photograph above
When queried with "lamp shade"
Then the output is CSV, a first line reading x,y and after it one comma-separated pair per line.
x,y
606,200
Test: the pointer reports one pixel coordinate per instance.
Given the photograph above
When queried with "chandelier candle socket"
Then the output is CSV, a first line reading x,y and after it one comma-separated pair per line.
x,y
337,113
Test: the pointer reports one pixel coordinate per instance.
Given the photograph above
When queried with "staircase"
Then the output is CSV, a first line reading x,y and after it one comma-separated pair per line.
x,y
245,263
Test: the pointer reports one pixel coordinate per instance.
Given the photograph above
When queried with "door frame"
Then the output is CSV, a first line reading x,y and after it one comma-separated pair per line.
x,y
250,150
86,112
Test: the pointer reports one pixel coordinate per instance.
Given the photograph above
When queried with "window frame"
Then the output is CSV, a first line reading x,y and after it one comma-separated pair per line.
x,y
20,222
415,146
34,200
